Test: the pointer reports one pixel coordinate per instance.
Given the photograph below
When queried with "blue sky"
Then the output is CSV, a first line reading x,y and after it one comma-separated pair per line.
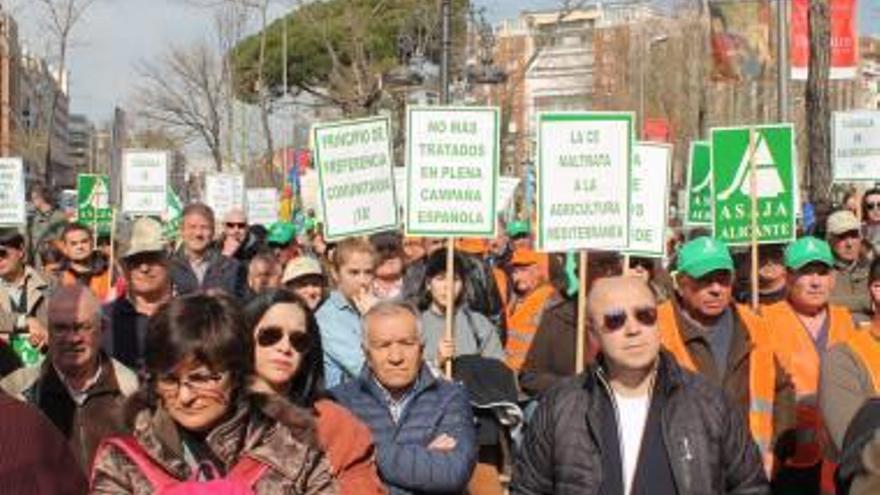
x,y
116,34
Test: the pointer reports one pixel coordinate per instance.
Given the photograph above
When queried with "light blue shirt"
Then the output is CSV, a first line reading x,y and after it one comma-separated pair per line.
x,y
340,325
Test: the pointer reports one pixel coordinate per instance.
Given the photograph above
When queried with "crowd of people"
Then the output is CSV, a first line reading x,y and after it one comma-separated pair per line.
x,y
236,357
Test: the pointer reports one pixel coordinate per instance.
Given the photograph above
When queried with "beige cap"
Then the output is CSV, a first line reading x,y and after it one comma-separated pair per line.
x,y
842,221
300,267
146,237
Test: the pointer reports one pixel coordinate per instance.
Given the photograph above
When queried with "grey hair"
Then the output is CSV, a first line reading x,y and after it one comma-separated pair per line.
x,y
390,307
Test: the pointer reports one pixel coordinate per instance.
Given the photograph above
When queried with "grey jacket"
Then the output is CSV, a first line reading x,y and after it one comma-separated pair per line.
x,y
707,443
474,334
37,289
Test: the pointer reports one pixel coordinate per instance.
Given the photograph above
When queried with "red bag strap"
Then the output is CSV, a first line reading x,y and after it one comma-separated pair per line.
x,y
248,471
145,464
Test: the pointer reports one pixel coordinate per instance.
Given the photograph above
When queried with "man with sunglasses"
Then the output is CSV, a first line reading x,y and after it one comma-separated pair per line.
x,y
850,264
236,241
24,292
146,268
78,387
635,422
727,343
803,328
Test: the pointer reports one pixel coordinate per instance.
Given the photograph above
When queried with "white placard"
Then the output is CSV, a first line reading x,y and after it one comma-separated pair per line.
x,y
353,159
144,182
583,177
223,192
855,144
452,171
12,194
649,199
262,206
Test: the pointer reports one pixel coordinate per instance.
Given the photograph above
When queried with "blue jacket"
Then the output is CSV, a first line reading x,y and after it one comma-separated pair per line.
x,y
405,464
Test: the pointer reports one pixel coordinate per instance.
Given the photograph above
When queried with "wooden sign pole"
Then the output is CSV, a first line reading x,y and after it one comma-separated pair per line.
x,y
581,312
450,298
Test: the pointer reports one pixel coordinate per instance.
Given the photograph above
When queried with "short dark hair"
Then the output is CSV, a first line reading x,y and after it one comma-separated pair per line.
x,y
874,191
11,237
208,328
74,227
308,384
199,209
874,272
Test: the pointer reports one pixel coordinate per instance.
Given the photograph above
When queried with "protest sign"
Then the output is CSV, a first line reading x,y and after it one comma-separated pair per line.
x,y
262,206
12,196
353,159
452,171
93,201
224,192
506,189
649,199
855,145
173,216
584,180
774,169
144,182
698,209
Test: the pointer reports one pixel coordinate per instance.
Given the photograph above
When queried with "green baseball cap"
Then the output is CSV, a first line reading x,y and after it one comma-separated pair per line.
x,y
518,228
281,233
704,255
808,250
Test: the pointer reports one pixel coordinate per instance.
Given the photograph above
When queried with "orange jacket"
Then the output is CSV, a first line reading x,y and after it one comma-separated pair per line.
x,y
349,448
866,347
797,352
523,318
762,371
99,284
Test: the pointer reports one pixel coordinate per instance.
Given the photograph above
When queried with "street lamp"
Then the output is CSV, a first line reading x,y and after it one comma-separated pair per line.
x,y
646,55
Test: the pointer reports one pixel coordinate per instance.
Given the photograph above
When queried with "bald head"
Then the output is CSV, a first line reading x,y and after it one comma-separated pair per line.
x,y
235,215
617,292
74,330
71,299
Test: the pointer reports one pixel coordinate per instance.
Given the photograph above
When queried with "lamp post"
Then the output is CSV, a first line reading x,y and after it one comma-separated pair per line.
x,y
646,55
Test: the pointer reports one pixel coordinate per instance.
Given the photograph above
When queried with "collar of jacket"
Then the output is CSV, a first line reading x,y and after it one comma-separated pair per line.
x,y
669,375
741,344
98,264
107,383
246,431
31,275
212,254
425,381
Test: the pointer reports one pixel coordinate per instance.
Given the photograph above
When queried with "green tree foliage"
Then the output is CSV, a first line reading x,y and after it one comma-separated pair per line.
x,y
338,49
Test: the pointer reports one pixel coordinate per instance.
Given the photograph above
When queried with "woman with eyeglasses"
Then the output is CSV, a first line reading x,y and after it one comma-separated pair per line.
x,y
195,421
288,361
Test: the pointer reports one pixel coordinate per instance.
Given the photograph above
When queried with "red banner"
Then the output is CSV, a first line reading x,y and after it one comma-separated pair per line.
x,y
844,60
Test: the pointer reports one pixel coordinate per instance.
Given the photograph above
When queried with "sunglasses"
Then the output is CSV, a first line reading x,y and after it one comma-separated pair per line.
x,y
271,335
236,225
872,206
614,320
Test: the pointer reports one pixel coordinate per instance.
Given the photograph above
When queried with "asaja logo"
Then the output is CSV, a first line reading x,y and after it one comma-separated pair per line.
x,y
769,184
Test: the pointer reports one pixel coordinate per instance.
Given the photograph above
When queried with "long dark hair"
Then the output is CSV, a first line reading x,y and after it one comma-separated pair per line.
x,y
307,385
435,265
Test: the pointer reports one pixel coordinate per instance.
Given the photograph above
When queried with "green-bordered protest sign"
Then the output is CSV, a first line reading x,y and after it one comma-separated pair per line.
x,y
649,199
12,197
93,201
584,161
356,184
699,185
144,182
173,216
775,187
452,171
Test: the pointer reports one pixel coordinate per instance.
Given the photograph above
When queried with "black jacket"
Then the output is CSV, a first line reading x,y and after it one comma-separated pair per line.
x,y
223,273
709,448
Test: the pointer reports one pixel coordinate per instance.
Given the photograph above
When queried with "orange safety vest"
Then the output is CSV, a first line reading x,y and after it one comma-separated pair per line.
x,y
762,371
501,282
797,351
100,285
523,318
866,347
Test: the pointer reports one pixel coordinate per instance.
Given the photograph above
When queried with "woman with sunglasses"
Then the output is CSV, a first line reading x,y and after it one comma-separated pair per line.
x,y
194,420
288,361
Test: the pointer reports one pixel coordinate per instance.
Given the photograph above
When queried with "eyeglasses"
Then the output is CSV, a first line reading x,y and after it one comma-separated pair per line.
x,y
614,320
77,327
236,225
199,382
271,335
872,206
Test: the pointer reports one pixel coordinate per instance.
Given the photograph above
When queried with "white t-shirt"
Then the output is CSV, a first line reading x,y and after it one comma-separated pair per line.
x,y
632,415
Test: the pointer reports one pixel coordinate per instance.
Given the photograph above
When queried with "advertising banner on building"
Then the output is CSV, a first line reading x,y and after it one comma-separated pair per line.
x,y
844,39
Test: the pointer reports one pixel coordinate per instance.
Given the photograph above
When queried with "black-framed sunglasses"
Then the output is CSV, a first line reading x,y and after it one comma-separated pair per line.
x,y
872,205
615,319
271,335
236,225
